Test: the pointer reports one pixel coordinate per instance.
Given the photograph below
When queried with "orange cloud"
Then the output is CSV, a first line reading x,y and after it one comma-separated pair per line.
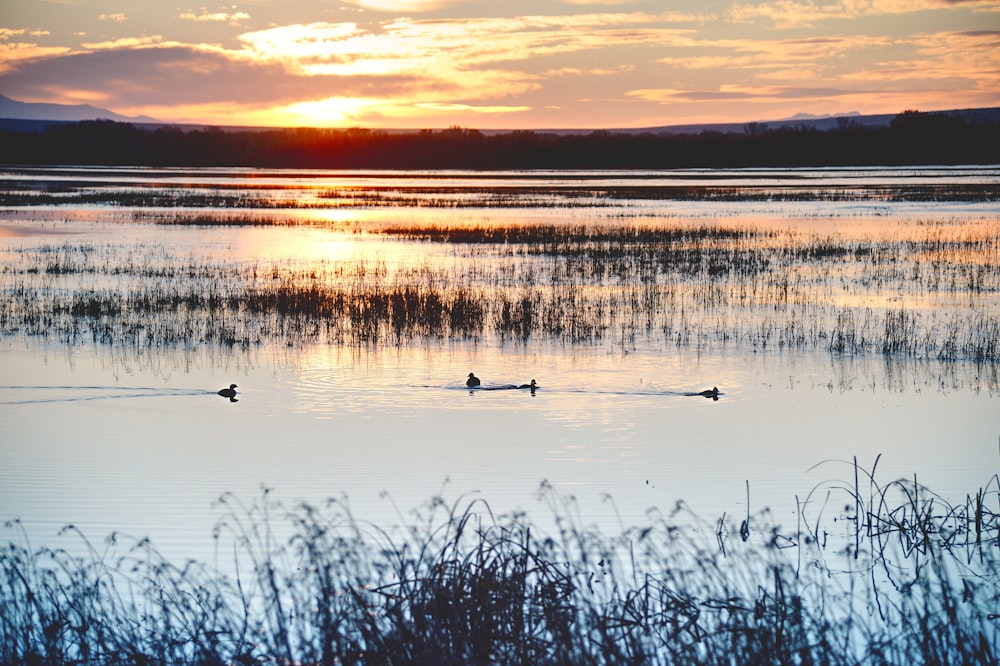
x,y
786,14
124,43
407,45
215,17
14,52
402,6
764,55
632,66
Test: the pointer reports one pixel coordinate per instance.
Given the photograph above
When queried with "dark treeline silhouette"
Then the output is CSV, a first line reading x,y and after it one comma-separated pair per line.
x,y
911,138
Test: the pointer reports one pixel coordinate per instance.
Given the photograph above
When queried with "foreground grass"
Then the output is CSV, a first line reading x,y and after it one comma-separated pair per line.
x,y
913,581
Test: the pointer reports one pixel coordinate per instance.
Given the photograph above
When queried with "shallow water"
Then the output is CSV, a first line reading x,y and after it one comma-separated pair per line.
x,y
134,439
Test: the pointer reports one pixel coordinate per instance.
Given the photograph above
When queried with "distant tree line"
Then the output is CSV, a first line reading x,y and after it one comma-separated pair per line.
x,y
911,138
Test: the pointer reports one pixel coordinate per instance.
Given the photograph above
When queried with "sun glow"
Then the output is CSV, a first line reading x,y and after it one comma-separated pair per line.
x,y
397,64
330,112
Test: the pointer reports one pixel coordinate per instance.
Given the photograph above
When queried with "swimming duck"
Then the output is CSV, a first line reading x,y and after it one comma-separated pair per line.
x,y
472,381
228,392
713,393
531,386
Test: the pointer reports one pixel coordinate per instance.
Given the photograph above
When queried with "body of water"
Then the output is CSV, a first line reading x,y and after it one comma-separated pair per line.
x,y
111,421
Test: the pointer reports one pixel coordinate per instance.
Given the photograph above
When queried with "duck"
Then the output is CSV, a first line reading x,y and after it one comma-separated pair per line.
x,y
472,381
531,386
712,393
228,392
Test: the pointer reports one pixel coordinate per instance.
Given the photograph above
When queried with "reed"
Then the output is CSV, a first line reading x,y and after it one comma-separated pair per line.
x,y
157,193
925,293
913,579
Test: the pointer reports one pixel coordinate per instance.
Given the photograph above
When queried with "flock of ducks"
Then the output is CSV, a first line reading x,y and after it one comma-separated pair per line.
x,y
473,382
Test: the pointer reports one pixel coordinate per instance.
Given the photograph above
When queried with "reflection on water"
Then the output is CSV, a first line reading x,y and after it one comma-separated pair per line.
x,y
84,393
323,421
127,432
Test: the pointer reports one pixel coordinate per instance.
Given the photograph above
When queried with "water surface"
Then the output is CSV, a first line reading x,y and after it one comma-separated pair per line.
x,y
121,435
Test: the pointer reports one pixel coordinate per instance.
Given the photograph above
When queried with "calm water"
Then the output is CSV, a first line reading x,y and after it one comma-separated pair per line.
x,y
128,438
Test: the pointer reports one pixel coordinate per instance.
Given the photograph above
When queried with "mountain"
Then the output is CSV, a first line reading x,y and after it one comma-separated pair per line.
x,y
33,117
13,109
821,123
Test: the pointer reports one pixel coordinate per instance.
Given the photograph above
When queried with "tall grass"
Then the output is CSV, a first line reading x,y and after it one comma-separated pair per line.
x,y
520,191
910,579
925,292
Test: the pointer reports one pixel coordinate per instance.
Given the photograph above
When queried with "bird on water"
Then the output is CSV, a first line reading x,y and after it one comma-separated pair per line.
x,y
713,393
531,386
472,380
228,392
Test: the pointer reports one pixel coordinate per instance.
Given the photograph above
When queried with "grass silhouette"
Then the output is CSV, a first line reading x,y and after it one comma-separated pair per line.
x,y
913,580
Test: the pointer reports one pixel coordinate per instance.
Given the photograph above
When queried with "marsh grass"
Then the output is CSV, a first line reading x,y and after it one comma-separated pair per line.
x,y
907,578
924,291
531,192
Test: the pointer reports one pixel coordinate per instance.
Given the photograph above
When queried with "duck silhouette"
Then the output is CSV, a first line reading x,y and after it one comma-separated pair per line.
x,y
229,392
531,386
472,381
712,393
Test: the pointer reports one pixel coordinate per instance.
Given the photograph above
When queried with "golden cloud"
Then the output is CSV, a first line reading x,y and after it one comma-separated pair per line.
x,y
962,63
215,17
7,33
771,54
597,2
125,43
470,108
786,14
15,52
409,46
402,6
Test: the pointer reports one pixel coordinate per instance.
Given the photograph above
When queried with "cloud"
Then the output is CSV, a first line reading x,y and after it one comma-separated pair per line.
x,y
787,14
469,108
8,33
768,93
963,63
402,6
114,18
598,2
157,75
447,46
215,17
764,55
399,68
124,42
13,52
506,67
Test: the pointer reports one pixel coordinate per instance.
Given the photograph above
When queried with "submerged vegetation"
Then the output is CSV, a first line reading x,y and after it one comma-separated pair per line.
x,y
919,291
904,578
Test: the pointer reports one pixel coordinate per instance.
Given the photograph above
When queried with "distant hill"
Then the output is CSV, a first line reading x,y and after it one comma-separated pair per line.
x,y
822,123
15,110
799,121
34,117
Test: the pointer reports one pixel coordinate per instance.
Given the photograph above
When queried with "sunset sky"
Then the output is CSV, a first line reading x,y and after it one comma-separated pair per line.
x,y
504,65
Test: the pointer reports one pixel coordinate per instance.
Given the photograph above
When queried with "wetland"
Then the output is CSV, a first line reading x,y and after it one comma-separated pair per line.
x,y
850,319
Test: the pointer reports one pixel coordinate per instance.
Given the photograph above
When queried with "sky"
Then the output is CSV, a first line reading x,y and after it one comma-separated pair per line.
x,y
518,64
